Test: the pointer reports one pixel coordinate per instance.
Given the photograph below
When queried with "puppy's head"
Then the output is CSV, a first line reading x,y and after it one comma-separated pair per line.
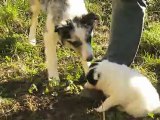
x,y
93,77
77,34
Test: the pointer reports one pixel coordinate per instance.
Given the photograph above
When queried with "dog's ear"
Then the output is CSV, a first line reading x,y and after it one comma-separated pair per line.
x,y
90,77
64,30
89,19
57,28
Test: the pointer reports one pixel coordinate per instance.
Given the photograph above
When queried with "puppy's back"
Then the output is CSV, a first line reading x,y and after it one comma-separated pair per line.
x,y
135,91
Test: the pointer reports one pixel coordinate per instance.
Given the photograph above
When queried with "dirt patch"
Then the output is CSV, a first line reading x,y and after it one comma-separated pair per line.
x,y
65,106
62,107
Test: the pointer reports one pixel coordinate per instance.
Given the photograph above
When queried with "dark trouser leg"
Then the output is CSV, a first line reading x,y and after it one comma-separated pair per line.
x,y
126,28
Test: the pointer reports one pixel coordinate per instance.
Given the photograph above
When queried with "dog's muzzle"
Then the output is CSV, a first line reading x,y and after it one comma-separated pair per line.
x,y
87,52
89,58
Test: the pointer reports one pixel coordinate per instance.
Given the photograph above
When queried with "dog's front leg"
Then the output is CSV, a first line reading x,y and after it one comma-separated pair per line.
x,y
35,9
50,41
108,103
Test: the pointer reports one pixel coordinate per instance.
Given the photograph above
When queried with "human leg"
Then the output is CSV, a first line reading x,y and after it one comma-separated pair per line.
x,y
126,28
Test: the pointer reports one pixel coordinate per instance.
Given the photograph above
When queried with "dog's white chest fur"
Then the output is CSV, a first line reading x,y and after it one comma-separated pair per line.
x,y
127,88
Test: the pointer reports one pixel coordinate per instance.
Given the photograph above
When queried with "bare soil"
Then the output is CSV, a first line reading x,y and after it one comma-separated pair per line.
x,y
64,106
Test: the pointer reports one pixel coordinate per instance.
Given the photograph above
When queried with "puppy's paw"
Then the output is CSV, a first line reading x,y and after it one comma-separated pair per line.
x,y
100,109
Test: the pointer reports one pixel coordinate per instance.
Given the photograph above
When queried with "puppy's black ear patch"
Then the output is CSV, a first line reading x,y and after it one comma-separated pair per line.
x,y
90,77
98,61
94,63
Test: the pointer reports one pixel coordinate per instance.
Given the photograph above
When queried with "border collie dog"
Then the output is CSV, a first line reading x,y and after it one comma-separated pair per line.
x,y
125,87
69,23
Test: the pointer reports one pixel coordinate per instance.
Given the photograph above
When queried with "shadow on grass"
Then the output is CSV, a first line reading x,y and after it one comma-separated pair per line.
x,y
36,106
6,46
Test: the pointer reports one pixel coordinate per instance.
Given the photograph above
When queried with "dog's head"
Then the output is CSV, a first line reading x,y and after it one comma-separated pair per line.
x,y
77,34
93,77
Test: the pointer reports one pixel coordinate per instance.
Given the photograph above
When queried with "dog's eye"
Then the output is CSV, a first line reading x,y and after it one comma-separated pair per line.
x,y
65,35
75,43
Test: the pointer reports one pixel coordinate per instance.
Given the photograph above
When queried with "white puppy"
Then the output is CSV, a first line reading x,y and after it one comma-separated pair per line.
x,y
125,87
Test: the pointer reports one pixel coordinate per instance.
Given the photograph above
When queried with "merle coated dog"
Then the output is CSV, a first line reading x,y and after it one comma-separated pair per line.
x,y
67,22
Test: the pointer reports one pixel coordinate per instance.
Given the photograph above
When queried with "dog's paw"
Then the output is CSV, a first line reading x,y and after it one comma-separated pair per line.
x,y
100,109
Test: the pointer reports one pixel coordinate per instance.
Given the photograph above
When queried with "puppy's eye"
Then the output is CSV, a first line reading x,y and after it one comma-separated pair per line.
x,y
75,43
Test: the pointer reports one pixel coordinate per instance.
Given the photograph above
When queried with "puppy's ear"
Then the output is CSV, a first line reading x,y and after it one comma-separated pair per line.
x,y
64,30
89,19
95,63
90,77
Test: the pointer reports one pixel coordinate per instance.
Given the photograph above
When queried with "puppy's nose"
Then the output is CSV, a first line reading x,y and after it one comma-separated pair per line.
x,y
89,58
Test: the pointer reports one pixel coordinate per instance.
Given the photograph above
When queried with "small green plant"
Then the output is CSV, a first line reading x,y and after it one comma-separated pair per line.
x,y
151,115
33,88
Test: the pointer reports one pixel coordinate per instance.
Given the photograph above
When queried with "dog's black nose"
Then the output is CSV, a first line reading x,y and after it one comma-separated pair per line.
x,y
90,58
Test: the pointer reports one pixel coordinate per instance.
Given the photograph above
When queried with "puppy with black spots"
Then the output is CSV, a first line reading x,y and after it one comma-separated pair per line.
x,y
125,87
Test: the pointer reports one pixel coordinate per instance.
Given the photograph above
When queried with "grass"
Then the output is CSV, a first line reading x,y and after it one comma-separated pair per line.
x,y
23,71
148,54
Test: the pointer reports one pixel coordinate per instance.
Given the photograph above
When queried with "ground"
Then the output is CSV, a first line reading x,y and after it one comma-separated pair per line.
x,y
64,105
